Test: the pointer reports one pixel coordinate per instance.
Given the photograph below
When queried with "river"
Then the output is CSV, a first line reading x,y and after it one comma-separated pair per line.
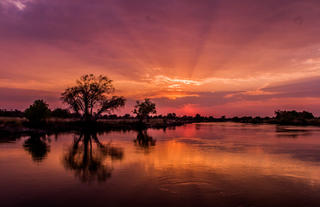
x,y
205,164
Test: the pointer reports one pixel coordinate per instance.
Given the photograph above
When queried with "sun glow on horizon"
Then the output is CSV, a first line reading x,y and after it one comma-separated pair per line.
x,y
218,57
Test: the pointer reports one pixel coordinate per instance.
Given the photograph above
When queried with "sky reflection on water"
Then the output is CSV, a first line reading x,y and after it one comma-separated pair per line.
x,y
221,164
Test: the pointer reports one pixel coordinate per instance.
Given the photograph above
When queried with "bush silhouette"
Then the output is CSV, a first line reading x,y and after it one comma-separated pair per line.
x,y
37,112
60,113
143,109
293,116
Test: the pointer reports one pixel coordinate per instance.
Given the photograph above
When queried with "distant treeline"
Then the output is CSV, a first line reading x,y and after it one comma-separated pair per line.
x,y
281,117
11,113
90,99
65,113
56,113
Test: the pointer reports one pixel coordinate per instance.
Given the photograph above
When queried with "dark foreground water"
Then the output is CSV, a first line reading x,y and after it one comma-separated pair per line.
x,y
216,164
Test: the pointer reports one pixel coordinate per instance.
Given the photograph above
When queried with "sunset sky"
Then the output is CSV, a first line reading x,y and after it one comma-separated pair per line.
x,y
214,57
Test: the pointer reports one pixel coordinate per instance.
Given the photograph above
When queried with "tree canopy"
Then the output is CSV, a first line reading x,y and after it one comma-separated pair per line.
x,y
37,112
89,97
144,108
289,116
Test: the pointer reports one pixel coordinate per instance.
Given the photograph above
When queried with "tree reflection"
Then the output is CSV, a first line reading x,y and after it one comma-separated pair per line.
x,y
144,140
38,146
87,157
291,132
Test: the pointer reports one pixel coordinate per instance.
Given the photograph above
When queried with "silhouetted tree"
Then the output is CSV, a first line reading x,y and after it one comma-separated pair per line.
x,y
293,116
37,112
88,161
127,116
143,109
171,116
198,117
89,96
306,115
60,113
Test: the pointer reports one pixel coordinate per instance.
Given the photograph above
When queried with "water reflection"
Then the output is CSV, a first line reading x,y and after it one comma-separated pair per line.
x,y
38,146
144,141
87,158
9,138
287,132
214,164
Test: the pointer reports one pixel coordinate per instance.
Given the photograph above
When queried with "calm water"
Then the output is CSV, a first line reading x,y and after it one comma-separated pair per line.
x,y
216,164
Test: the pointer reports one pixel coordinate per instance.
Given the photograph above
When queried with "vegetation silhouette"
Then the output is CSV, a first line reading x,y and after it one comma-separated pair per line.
x,y
88,161
171,116
38,146
89,97
61,113
287,117
11,113
144,141
37,113
144,109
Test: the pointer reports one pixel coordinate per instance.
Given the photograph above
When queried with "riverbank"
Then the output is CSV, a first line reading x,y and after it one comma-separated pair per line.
x,y
12,126
17,126
294,122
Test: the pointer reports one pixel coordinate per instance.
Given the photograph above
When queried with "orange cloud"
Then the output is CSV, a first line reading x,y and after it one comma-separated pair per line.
x,y
173,51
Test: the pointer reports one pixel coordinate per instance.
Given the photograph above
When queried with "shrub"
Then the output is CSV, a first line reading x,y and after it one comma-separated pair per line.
x,y
37,112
